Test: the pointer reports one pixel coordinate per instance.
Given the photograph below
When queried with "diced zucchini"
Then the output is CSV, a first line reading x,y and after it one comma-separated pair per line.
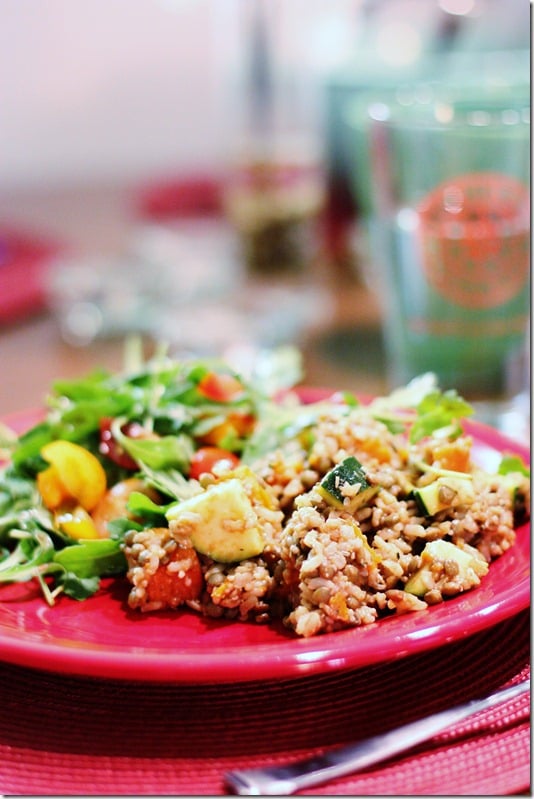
x,y
445,492
254,486
221,522
517,486
420,582
434,551
346,485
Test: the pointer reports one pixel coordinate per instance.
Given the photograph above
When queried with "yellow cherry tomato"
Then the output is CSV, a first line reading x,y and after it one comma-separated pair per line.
x,y
76,523
78,470
51,489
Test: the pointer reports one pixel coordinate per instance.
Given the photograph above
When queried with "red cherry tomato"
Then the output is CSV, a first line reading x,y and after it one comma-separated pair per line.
x,y
110,447
220,387
205,459
175,586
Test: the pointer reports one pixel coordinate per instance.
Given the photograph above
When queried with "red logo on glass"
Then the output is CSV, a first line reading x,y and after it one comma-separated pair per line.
x,y
475,239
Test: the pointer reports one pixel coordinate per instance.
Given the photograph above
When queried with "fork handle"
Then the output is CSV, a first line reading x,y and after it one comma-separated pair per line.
x,y
286,780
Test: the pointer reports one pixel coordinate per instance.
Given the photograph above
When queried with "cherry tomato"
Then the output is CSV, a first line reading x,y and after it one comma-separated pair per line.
x,y
76,522
111,448
52,491
205,459
179,580
113,504
236,425
220,387
74,473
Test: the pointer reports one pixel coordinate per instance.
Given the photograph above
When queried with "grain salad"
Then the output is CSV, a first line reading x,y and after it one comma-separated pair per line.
x,y
209,493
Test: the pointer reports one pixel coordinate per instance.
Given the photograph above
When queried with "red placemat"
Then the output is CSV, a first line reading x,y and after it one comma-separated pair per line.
x,y
62,735
187,195
24,261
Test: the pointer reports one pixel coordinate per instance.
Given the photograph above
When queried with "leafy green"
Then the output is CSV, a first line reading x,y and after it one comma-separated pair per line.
x,y
98,557
79,588
16,493
36,549
8,441
29,446
160,452
20,505
394,424
422,409
32,552
164,397
439,412
160,394
143,507
119,527
282,423
406,397
348,398
511,464
169,482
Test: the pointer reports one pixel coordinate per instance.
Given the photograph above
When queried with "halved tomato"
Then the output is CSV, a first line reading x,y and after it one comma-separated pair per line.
x,y
206,458
220,387
110,447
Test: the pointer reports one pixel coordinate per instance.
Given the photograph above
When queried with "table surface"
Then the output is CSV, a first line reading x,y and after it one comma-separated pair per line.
x,y
342,351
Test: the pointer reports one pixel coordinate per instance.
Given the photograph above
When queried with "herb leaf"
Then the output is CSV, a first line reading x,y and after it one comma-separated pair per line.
x,y
93,558
511,464
78,587
439,411
158,453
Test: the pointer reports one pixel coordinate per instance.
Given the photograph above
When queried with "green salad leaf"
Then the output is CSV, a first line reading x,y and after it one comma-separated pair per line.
x,y
511,464
92,558
76,587
439,411
160,452
30,553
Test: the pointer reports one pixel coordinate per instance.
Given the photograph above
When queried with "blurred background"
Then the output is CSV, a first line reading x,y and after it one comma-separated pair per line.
x,y
184,169
129,89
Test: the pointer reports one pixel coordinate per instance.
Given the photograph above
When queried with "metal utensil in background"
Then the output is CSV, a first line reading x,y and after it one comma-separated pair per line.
x,y
286,780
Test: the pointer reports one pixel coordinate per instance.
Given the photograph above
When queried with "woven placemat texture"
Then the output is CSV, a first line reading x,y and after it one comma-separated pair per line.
x,y
65,736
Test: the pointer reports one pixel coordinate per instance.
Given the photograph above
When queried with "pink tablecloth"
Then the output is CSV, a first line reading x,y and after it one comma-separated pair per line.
x,y
24,263
62,735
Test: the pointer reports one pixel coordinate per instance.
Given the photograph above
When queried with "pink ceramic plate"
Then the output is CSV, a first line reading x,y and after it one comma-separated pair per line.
x,y
100,637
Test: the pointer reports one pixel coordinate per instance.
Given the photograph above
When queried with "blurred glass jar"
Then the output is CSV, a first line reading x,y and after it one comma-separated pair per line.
x,y
180,254
274,202
181,280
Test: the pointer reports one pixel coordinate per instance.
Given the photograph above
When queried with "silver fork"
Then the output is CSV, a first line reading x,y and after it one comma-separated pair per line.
x,y
286,780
